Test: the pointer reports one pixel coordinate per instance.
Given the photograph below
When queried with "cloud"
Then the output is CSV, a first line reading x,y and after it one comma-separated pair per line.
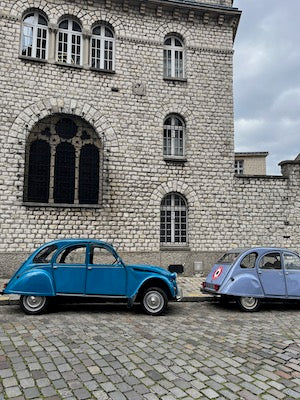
x,y
267,80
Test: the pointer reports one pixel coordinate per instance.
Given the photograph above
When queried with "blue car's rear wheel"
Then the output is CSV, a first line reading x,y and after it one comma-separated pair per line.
x,y
249,304
154,301
34,304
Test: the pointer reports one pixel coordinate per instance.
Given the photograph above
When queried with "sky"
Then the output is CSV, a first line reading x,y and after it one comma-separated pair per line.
x,y
267,80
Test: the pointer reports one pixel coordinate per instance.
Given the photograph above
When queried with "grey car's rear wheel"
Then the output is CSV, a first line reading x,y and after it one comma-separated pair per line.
x,y
249,304
34,304
154,301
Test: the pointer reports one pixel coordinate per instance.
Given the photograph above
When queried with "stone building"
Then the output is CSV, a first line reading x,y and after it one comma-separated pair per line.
x,y
117,124
250,163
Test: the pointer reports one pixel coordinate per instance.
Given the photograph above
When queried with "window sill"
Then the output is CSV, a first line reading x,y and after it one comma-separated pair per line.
x,y
174,247
174,79
104,71
34,59
61,64
176,159
60,205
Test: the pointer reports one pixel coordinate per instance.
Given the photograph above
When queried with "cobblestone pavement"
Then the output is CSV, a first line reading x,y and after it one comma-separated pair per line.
x,y
195,351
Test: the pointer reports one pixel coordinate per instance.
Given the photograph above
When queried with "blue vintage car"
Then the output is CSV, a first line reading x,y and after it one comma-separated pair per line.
x,y
250,275
89,269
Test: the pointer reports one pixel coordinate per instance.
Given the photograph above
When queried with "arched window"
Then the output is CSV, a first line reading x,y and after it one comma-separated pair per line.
x,y
173,57
174,136
34,41
69,42
173,219
63,157
102,48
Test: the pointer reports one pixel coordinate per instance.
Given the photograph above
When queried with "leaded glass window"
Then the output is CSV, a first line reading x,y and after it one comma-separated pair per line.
x,y
174,136
69,42
102,48
173,57
173,219
63,162
34,40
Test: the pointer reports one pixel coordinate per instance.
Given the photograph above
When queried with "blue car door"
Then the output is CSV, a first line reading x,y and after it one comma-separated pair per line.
x,y
271,274
69,269
292,273
106,275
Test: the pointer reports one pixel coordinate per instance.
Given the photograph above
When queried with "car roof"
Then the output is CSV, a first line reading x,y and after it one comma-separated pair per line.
x,y
242,250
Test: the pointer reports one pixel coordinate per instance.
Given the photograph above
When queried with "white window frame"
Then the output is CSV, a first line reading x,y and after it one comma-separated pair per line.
x,y
171,57
35,26
170,222
101,42
239,167
70,35
174,145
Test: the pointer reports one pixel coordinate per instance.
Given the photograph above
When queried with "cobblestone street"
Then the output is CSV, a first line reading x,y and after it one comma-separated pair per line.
x,y
195,351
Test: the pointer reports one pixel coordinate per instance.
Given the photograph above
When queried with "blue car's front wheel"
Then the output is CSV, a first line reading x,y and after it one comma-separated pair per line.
x,y
154,301
34,304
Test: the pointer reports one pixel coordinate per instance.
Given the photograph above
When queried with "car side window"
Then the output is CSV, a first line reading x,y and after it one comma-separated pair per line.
x,y
72,255
291,261
44,256
270,261
249,261
102,256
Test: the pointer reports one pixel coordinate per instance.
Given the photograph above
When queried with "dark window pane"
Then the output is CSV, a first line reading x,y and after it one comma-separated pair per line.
x,y
39,172
97,31
168,42
89,175
42,20
76,27
63,24
64,174
108,33
66,128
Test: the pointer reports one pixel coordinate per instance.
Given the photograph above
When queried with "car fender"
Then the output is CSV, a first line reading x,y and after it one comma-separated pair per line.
x,y
36,282
244,284
152,281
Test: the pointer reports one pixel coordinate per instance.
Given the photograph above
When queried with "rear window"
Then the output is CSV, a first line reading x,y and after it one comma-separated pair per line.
x,y
45,255
228,258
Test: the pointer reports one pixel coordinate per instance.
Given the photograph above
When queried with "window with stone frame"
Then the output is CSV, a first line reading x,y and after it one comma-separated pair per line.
x,y
173,57
173,220
174,137
34,36
69,42
63,162
103,48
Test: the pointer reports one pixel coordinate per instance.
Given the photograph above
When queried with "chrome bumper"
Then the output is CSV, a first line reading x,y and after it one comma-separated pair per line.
x,y
179,295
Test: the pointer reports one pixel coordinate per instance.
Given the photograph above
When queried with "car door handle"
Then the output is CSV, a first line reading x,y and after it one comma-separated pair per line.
x,y
54,266
90,267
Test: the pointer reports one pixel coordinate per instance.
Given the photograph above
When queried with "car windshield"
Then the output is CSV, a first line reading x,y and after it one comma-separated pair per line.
x,y
229,258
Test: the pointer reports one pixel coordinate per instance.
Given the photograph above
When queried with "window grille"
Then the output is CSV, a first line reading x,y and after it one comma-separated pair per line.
x,y
102,48
173,57
69,42
34,40
173,220
239,167
174,136
63,162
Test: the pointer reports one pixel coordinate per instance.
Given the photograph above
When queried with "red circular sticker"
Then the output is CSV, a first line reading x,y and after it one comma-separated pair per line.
x,y
217,273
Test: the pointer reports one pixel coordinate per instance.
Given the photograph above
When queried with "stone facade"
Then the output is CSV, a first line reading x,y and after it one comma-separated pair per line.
x,y
126,109
253,163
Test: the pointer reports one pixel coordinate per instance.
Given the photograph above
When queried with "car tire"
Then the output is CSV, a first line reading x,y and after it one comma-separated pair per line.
x,y
34,305
249,304
154,301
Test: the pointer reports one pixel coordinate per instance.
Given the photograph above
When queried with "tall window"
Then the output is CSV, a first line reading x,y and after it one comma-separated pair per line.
x,y
174,136
34,41
173,219
102,48
62,162
69,42
173,57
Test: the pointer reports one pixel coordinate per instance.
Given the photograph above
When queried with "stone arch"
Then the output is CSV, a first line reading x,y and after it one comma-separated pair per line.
x,y
175,28
174,186
17,9
26,120
173,107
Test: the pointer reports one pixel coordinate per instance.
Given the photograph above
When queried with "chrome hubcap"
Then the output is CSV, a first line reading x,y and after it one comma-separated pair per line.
x,y
249,302
34,302
153,301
